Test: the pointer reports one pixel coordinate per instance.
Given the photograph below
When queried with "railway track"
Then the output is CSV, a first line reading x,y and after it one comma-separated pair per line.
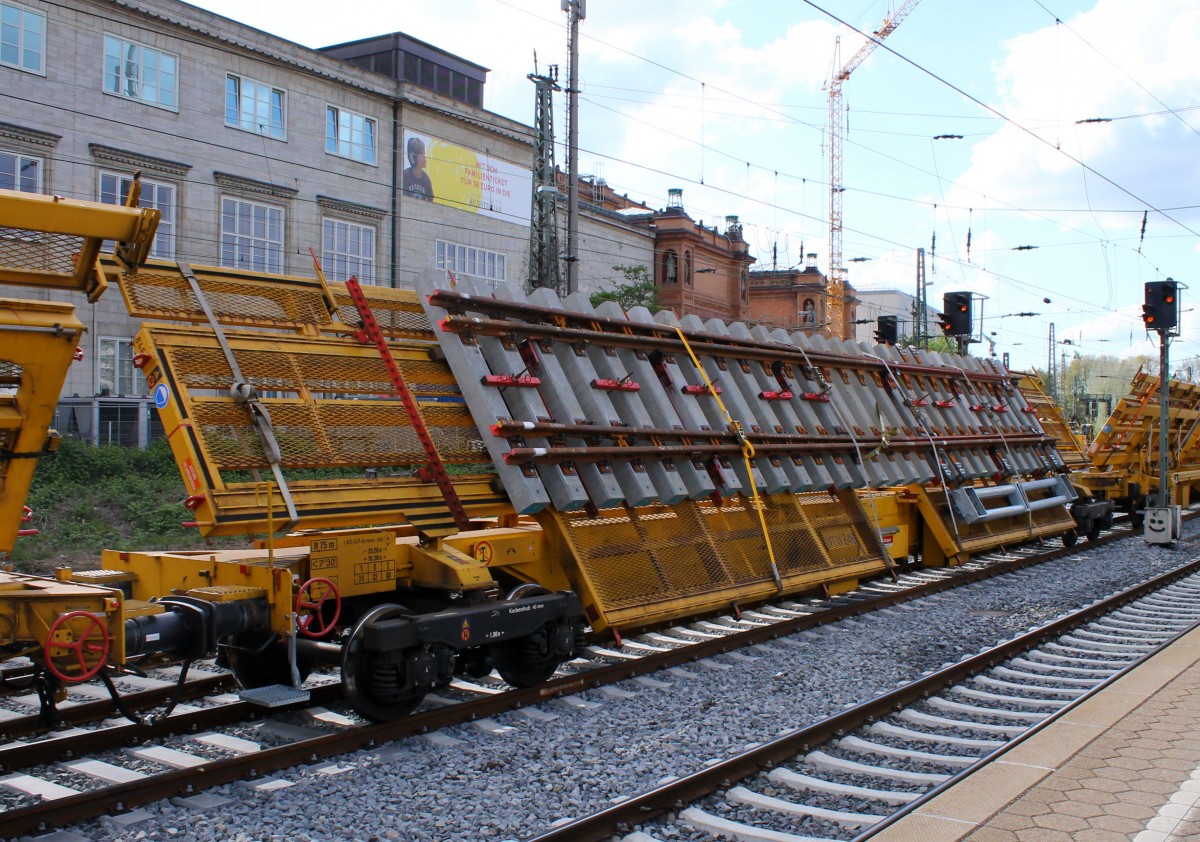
x,y
849,776
79,775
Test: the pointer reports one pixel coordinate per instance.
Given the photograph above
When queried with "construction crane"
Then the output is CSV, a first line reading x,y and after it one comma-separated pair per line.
x,y
837,128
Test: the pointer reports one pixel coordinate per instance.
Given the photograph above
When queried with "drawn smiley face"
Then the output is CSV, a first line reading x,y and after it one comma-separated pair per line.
x,y
1158,520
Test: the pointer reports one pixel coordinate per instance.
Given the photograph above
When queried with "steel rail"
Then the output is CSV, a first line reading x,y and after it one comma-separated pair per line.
x,y
17,756
508,428
119,798
552,454
85,712
658,335
670,797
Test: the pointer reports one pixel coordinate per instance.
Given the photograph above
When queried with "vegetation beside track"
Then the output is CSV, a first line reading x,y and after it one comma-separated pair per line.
x,y
86,499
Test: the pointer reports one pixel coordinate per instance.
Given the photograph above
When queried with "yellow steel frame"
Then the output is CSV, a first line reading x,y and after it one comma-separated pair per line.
x,y
29,606
1126,450
55,242
38,340
210,433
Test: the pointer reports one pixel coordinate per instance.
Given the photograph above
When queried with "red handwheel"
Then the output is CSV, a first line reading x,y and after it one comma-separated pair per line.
x,y
310,619
92,642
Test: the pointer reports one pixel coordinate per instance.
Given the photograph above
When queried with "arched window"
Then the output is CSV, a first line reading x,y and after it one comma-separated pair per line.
x,y
809,314
670,268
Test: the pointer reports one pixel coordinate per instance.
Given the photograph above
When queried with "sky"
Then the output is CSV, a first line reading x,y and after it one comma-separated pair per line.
x,y
727,99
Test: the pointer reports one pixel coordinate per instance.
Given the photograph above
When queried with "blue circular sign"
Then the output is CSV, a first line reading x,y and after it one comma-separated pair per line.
x,y
161,395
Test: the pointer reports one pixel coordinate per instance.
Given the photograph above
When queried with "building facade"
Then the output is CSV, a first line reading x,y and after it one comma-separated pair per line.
x,y
892,302
376,154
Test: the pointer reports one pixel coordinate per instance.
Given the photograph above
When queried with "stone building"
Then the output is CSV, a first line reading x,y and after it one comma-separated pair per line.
x,y
377,154
798,299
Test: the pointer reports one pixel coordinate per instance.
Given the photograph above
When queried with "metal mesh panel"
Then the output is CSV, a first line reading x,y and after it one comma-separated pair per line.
x,y
315,424
656,553
395,318
39,251
10,373
164,293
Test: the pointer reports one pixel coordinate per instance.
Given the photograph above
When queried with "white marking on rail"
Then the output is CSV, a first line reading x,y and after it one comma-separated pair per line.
x,y
890,730
700,820
822,760
742,795
807,783
36,786
861,746
102,771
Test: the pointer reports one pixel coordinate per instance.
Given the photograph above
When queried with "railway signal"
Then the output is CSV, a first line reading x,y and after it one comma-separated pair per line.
x,y
887,330
955,318
1161,310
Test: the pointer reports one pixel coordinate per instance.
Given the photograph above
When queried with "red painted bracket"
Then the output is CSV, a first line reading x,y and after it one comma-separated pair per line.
x,y
777,395
945,404
608,384
918,402
999,408
524,381
819,397
373,335
701,389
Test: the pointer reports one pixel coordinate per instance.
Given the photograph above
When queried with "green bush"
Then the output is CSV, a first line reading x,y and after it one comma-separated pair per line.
x,y
86,499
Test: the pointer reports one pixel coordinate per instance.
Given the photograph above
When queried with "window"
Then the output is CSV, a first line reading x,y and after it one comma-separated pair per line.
x,y
348,250
138,72
251,236
22,38
20,172
117,376
468,260
114,187
254,107
350,135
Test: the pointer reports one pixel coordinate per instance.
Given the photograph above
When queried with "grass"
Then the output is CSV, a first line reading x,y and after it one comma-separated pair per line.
x,y
86,499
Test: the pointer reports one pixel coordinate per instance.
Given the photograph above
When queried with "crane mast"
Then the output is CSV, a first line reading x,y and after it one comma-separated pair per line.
x,y
837,272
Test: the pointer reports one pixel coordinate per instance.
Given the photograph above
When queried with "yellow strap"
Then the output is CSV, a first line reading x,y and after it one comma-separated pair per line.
x,y
747,454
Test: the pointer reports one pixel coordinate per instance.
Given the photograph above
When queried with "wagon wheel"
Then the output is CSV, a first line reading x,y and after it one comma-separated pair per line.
x,y
91,643
374,682
310,613
530,660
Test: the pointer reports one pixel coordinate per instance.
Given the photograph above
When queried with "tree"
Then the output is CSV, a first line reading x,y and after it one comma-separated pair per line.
x,y
637,289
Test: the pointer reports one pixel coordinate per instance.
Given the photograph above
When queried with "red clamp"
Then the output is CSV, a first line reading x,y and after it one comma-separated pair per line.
x,y
778,395
504,380
609,385
193,502
78,355
140,360
917,402
945,404
820,397
999,408
1030,410
26,516
977,407
701,389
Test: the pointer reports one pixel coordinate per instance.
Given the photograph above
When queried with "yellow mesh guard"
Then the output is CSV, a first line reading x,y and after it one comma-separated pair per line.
x,y
639,564
249,299
331,409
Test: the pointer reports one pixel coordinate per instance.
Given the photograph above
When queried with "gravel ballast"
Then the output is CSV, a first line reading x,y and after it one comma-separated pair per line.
x,y
514,785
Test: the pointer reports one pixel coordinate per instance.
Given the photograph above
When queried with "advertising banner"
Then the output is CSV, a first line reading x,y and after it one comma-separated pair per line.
x,y
462,178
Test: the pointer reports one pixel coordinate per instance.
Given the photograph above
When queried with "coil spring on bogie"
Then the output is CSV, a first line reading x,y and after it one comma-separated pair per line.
x,y
385,678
